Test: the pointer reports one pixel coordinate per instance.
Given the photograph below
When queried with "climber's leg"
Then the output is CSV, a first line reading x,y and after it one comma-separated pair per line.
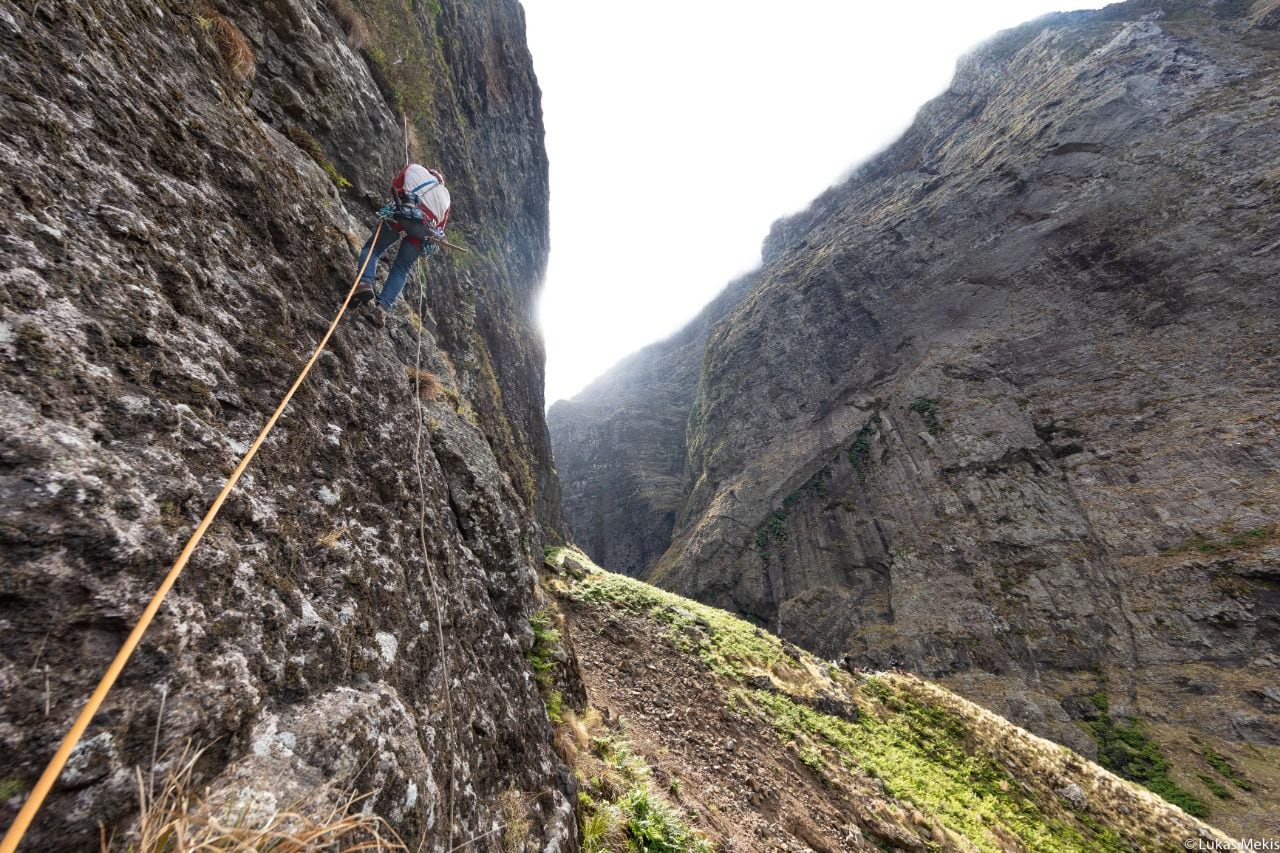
x,y
406,255
364,290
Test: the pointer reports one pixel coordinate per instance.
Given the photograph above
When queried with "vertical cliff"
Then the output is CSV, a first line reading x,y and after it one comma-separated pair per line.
x,y
621,441
185,184
999,408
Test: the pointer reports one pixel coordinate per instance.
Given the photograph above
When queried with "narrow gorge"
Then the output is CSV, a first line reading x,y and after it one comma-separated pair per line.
x,y
951,527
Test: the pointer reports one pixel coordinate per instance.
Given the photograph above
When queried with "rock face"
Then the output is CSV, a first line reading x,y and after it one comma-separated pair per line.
x,y
1001,408
621,441
179,228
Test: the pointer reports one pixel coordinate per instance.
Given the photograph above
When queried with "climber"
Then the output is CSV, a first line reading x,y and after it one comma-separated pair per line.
x,y
418,213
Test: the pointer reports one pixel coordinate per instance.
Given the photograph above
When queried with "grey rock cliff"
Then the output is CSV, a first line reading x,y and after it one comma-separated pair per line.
x,y
174,243
620,448
1001,407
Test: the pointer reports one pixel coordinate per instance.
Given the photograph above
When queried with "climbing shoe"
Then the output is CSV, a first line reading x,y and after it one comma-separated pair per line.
x,y
362,295
378,316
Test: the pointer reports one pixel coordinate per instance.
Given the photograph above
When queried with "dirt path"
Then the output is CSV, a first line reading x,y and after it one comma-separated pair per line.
x,y
740,784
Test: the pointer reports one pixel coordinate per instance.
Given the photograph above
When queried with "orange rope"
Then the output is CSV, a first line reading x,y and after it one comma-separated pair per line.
x,y
41,790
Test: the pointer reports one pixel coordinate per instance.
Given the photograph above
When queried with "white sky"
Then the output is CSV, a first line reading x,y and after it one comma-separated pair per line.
x,y
679,130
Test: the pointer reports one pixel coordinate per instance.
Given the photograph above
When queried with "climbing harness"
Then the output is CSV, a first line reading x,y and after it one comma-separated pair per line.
x,y
392,210
42,787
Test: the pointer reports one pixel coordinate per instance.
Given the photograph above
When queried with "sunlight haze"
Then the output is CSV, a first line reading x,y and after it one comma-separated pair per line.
x,y
678,132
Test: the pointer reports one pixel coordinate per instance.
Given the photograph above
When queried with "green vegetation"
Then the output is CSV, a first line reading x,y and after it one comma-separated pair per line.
x,y
382,76
920,753
815,486
546,639
401,60
811,757
1125,749
727,645
10,788
619,806
410,69
1256,537
307,143
860,450
1226,771
927,409
773,530
1215,787
973,775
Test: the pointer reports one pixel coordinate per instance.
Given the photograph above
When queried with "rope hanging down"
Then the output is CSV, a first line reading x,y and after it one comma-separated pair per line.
x,y
446,675
42,787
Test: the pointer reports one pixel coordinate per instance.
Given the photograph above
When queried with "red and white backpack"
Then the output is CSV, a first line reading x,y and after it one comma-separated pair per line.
x,y
425,188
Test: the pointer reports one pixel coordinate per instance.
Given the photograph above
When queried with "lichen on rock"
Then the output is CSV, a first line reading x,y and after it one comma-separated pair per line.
x,y
171,253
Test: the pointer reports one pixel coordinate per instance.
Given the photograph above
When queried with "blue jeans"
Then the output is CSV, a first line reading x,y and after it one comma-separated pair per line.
x,y
405,258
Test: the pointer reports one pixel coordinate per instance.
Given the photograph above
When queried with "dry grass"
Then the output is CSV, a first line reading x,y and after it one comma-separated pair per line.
x,y
579,728
354,240
333,537
429,387
411,138
232,44
573,734
515,820
352,21
181,818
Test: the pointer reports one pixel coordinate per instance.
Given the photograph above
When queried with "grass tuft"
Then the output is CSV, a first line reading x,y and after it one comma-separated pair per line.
x,y
860,450
619,809
333,537
542,658
515,820
353,23
181,817
307,143
232,44
429,387
1125,749
927,409
1227,771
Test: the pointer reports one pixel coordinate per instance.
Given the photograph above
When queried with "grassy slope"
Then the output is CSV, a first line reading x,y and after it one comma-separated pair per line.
x,y
912,749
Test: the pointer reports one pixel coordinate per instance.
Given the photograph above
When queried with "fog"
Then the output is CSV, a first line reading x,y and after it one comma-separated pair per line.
x,y
679,131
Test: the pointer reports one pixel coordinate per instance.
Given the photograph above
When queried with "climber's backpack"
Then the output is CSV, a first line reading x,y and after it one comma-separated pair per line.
x,y
424,188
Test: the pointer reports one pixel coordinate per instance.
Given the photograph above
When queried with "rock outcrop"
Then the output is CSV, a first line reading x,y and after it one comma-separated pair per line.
x,y
185,186
758,745
1000,408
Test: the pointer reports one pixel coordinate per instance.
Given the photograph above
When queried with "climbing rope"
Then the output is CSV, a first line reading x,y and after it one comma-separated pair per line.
x,y
450,743
42,787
